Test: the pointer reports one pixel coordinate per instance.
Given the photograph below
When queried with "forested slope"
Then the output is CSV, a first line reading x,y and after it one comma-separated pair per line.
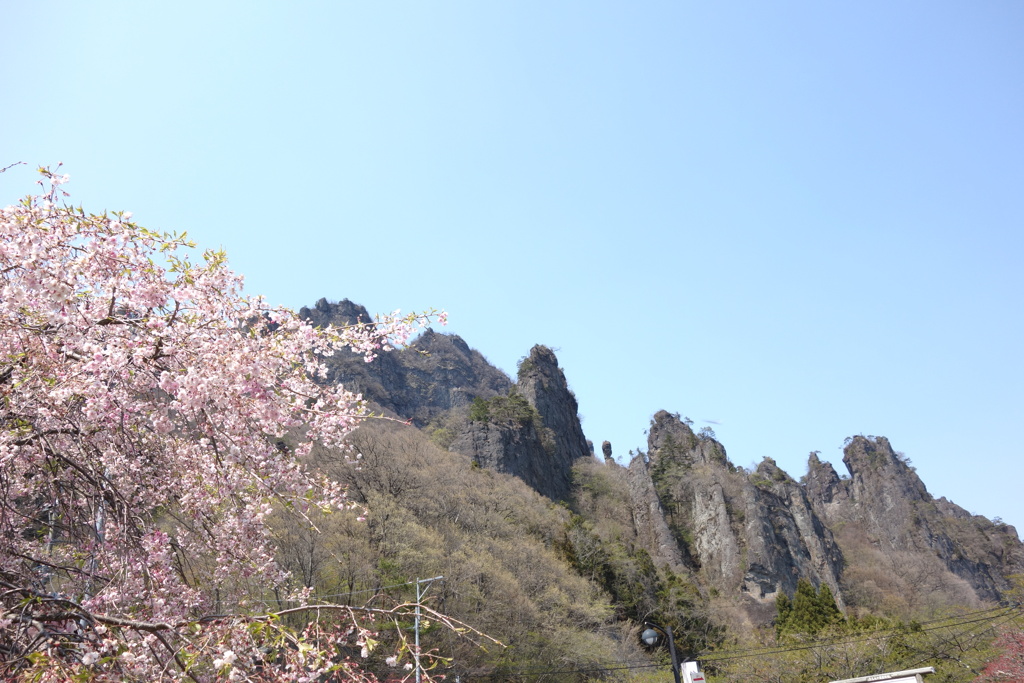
x,y
562,556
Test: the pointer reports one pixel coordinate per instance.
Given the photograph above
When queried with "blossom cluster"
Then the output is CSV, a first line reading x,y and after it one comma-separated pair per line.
x,y
151,418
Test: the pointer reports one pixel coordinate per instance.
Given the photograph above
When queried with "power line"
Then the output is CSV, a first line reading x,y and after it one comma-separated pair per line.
x,y
974,637
882,634
1009,612
893,632
878,634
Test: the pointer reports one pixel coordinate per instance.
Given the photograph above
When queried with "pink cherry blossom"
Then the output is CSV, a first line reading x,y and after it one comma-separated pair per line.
x,y
143,398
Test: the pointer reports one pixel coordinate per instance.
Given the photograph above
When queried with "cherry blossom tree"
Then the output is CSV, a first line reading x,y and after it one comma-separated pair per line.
x,y
143,402
1009,665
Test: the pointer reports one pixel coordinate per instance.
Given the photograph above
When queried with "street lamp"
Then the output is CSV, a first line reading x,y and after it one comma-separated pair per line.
x,y
650,636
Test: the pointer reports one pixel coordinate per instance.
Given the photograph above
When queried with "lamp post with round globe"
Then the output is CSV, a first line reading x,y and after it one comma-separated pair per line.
x,y
650,636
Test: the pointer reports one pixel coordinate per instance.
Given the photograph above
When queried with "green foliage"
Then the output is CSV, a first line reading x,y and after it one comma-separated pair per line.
x,y
510,410
442,436
681,606
442,429
479,410
809,612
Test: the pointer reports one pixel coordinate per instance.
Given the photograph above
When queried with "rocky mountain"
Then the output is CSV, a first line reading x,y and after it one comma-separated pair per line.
x,y
750,534
929,540
530,429
876,537
533,433
435,374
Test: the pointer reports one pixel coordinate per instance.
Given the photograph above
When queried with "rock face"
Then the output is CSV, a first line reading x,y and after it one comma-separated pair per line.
x,y
786,538
543,384
436,373
650,520
757,533
514,448
886,499
538,444
750,533
339,314
533,431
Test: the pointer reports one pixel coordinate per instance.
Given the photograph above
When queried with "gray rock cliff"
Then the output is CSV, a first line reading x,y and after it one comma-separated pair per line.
x,y
750,534
543,384
439,376
513,447
886,500
543,440
649,518
436,373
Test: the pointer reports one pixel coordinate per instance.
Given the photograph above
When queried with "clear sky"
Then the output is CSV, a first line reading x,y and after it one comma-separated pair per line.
x,y
800,220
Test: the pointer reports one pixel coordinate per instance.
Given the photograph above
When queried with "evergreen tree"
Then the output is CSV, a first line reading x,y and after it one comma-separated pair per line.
x,y
809,612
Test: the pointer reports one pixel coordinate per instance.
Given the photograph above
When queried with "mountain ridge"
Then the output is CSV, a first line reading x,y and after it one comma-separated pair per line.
x,y
873,537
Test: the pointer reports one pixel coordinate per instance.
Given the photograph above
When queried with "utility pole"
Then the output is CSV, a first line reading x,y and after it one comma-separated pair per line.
x,y
420,592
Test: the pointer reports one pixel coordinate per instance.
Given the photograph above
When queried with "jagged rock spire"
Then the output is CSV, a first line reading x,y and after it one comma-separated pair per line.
x,y
543,384
539,449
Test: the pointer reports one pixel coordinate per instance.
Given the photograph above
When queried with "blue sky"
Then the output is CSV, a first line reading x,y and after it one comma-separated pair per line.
x,y
801,220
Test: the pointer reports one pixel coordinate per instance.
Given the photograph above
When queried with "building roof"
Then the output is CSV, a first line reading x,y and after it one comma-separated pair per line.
x,y
908,676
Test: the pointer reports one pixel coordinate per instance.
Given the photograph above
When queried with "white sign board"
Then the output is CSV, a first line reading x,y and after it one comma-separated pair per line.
x,y
691,674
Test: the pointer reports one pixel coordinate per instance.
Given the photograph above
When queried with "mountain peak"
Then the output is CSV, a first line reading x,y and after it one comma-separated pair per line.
x,y
339,314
